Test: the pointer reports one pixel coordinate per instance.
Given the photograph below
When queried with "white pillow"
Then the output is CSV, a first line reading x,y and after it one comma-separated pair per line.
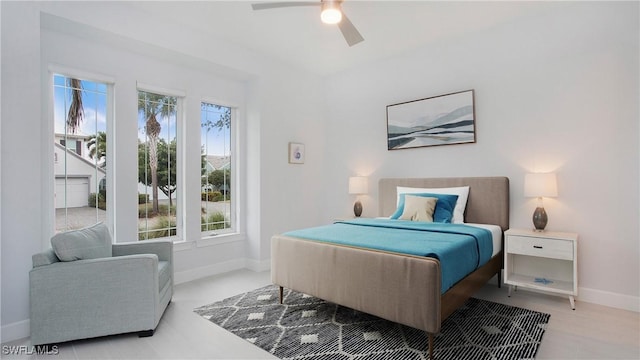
x,y
461,203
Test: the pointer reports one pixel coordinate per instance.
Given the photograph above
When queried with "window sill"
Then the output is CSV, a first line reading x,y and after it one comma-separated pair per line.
x,y
208,241
220,239
182,245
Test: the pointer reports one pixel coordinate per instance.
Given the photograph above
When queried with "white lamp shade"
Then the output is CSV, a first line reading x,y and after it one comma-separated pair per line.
x,y
358,185
539,185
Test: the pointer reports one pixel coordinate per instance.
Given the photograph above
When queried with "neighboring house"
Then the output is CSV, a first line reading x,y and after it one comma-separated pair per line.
x,y
207,187
82,175
75,142
214,162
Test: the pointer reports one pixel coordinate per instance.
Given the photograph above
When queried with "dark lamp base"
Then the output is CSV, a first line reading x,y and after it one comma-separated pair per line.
x,y
540,219
357,208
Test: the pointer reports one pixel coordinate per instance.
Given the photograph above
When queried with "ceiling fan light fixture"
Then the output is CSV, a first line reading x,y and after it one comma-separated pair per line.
x,y
331,13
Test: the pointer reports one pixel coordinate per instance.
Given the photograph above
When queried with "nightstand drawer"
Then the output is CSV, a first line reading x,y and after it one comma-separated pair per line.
x,y
549,248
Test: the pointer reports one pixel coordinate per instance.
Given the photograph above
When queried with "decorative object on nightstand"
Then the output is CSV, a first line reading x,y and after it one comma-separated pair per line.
x,y
545,261
358,185
539,185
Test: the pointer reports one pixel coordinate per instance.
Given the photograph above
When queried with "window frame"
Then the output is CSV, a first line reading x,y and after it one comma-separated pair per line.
x,y
180,236
237,232
232,214
185,238
48,137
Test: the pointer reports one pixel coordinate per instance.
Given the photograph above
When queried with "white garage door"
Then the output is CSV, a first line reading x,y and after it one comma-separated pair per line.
x,y
77,192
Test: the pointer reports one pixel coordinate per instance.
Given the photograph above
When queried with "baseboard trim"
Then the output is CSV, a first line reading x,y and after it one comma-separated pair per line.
x,y
610,299
220,268
258,265
16,331
209,270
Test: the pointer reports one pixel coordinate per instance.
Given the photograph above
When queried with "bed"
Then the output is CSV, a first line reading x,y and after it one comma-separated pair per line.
x,y
399,287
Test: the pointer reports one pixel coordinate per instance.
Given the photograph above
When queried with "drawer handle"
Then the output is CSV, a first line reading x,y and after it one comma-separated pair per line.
x,y
537,247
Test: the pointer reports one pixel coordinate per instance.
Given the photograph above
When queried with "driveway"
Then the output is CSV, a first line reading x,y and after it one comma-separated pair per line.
x,y
78,217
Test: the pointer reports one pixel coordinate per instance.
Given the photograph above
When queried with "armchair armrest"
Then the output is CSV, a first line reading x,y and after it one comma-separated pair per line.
x,y
46,257
97,275
162,248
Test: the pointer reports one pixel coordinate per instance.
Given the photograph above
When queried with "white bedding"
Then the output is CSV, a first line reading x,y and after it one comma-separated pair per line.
x,y
496,235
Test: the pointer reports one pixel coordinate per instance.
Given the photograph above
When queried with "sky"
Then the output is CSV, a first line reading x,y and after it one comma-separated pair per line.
x,y
94,98
94,104
215,141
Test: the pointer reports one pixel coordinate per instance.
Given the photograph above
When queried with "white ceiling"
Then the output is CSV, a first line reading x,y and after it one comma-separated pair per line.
x,y
295,35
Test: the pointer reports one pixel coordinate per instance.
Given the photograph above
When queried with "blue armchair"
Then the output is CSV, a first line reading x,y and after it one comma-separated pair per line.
x,y
85,286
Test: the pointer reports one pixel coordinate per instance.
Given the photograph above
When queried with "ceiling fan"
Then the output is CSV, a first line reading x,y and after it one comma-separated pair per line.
x,y
331,14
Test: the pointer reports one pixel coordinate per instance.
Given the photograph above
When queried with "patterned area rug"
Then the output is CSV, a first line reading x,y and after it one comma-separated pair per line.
x,y
305,327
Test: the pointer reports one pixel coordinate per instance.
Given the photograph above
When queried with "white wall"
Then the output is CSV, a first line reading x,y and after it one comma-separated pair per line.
x,y
21,68
558,92
277,104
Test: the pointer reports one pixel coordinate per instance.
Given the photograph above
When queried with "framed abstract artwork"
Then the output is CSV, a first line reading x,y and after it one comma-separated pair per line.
x,y
296,153
440,120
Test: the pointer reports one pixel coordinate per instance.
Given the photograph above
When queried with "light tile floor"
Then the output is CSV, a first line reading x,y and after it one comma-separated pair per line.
x,y
589,332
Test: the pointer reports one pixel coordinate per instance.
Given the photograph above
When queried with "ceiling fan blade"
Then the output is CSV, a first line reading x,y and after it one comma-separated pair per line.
x,y
349,31
275,5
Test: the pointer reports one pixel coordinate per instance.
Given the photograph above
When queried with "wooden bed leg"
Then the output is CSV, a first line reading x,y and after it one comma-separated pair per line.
x,y
431,346
281,294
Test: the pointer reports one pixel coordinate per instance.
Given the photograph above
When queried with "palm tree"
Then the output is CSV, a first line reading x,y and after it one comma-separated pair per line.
x,y
97,146
151,105
76,111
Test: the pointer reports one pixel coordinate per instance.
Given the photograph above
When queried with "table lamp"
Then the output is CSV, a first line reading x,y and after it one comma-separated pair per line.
x,y
358,185
540,185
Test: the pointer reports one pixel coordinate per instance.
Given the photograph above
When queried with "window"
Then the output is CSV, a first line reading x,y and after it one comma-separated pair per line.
x,y
157,166
216,170
80,148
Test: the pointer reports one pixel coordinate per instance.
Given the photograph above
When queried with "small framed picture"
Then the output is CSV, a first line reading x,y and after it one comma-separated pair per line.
x,y
296,153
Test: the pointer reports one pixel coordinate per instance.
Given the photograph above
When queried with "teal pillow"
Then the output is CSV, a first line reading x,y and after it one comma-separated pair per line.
x,y
444,207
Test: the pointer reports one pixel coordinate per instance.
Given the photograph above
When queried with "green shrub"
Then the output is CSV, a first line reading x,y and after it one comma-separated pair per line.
x,y
212,196
143,198
101,203
165,226
214,221
146,210
215,196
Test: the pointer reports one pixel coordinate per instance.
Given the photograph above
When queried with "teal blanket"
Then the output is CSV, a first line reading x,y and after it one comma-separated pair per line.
x,y
460,248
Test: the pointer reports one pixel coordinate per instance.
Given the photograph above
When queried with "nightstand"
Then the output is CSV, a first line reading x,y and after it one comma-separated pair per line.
x,y
542,260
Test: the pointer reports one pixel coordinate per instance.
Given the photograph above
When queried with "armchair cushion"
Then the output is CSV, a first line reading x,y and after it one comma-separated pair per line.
x,y
92,242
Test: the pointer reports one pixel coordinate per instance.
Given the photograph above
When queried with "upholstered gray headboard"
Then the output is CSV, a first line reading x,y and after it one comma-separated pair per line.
x,y
488,201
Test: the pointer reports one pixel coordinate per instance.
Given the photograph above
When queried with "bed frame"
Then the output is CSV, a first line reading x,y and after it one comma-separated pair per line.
x,y
402,288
